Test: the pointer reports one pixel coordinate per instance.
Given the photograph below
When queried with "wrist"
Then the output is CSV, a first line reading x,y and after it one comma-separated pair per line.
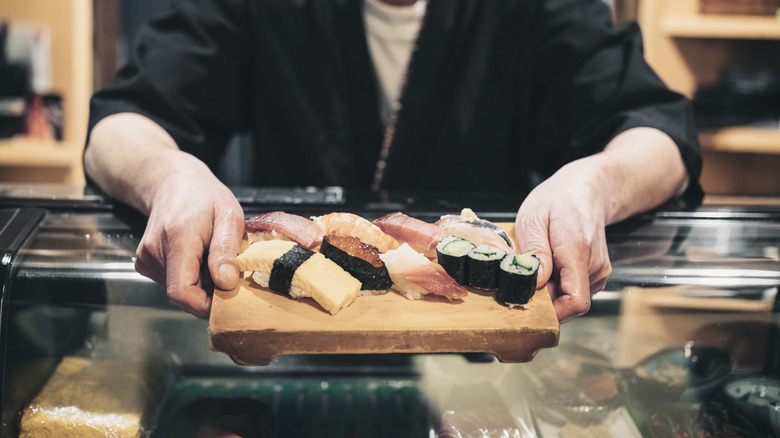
x,y
171,172
595,184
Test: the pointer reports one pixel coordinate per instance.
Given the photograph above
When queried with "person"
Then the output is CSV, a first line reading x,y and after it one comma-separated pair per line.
x,y
547,99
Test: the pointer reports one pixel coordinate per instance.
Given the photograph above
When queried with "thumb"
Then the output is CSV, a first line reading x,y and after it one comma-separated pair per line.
x,y
533,237
223,249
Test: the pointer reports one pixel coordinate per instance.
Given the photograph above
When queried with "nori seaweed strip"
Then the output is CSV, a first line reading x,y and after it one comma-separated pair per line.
x,y
483,267
516,282
285,267
371,277
454,261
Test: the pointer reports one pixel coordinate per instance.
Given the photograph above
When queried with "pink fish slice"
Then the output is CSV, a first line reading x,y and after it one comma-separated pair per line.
x,y
296,228
420,235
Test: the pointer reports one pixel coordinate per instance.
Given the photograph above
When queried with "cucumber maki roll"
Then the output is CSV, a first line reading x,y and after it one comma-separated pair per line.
x,y
517,279
452,253
359,259
482,266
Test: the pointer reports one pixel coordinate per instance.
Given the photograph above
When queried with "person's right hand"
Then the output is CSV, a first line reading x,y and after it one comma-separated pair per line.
x,y
192,216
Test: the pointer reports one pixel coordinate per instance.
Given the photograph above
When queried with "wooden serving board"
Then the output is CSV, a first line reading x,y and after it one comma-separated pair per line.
x,y
253,325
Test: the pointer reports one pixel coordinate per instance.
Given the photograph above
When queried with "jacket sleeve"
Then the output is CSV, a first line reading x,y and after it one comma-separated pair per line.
x,y
594,83
186,73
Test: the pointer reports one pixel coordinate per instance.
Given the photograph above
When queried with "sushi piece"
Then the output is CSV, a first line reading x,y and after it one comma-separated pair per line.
x,y
452,254
286,226
348,224
420,235
477,231
482,266
359,259
287,268
414,275
517,279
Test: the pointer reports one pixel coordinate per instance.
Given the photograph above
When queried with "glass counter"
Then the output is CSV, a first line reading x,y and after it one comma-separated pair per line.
x,y
683,341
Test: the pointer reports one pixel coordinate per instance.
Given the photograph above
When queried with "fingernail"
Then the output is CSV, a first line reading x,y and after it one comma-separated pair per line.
x,y
228,272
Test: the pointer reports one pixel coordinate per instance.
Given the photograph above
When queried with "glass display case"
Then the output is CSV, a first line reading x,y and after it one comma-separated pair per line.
x,y
683,341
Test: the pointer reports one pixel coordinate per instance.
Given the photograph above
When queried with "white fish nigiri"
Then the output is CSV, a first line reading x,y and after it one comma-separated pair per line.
x,y
420,235
414,275
477,231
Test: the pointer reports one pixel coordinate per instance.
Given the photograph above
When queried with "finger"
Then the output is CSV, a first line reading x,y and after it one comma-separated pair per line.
x,y
223,249
191,299
560,302
598,286
183,262
574,294
148,265
599,275
532,236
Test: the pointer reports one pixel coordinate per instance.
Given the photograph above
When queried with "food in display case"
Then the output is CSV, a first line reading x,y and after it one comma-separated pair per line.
x,y
572,384
690,373
96,398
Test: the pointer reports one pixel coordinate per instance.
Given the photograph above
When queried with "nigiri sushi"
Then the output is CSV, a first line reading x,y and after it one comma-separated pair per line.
x,y
414,275
348,224
420,235
288,268
478,231
285,226
360,260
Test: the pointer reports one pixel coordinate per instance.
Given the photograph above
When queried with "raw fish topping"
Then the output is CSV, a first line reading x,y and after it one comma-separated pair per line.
x,y
478,231
355,248
434,279
297,228
414,275
396,251
420,235
348,224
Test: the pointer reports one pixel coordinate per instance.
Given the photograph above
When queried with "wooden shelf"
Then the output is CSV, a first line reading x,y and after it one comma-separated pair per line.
x,y
688,50
69,23
742,140
715,26
26,152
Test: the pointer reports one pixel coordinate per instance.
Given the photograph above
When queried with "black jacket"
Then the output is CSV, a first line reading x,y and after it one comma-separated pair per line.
x,y
498,91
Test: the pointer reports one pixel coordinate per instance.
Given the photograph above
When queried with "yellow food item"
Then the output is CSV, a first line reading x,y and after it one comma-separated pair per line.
x,y
86,398
260,256
318,278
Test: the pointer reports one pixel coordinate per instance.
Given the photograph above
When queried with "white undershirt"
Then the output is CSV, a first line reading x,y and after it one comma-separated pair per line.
x,y
391,32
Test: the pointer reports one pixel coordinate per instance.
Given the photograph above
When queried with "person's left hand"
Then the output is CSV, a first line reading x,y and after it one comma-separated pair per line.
x,y
562,222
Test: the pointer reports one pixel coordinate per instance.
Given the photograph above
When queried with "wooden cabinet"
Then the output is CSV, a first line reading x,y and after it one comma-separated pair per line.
x,y
70,25
689,49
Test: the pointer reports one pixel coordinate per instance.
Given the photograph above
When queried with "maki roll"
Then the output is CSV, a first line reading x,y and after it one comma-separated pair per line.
x,y
517,279
359,259
452,253
482,266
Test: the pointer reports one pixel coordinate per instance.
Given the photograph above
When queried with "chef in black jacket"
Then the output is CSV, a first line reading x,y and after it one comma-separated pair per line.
x,y
543,98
